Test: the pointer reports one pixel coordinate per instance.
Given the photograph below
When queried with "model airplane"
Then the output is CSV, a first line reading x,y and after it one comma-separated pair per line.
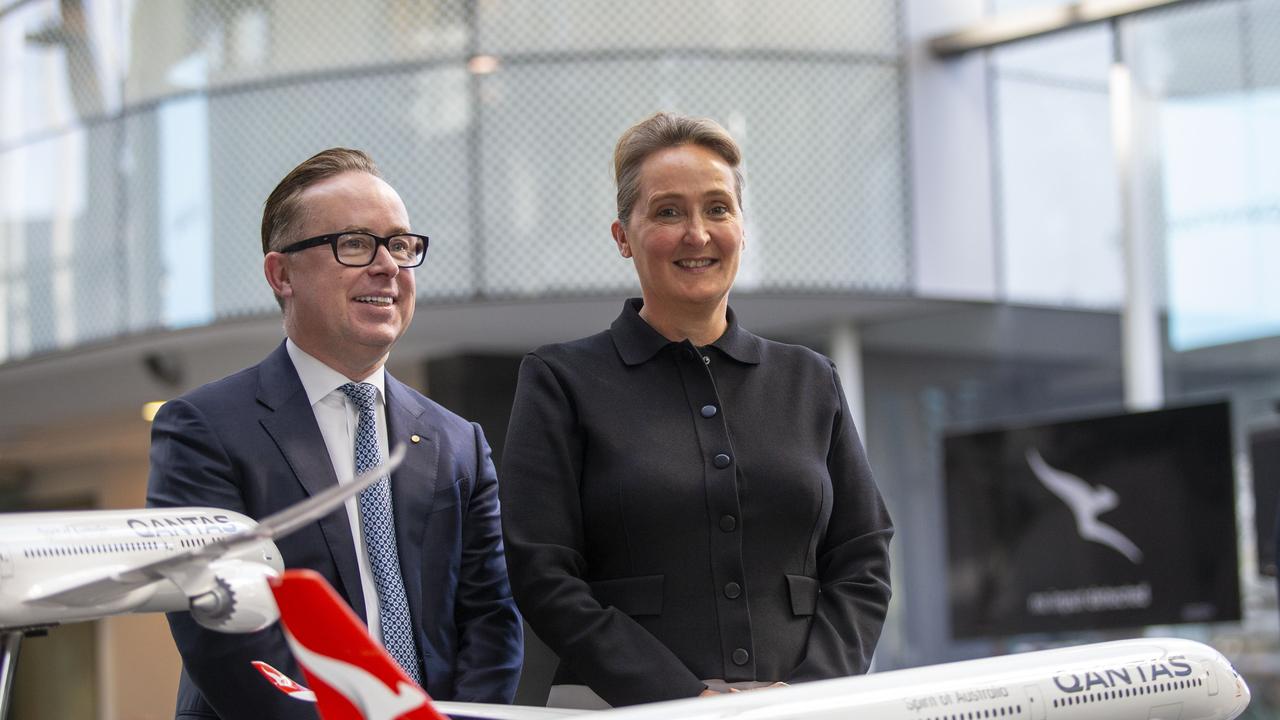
x,y
61,567
353,678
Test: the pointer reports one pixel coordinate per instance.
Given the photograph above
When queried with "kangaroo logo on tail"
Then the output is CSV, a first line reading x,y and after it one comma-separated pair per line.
x,y
370,695
320,628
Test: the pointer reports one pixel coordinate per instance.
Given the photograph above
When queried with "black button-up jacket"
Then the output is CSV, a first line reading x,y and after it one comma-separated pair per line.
x,y
673,513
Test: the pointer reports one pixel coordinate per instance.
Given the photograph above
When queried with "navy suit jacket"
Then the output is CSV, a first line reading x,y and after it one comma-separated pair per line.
x,y
250,443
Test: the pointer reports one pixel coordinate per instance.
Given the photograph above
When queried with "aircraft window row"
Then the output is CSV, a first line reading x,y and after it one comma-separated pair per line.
x,y
1129,692
1007,711
90,549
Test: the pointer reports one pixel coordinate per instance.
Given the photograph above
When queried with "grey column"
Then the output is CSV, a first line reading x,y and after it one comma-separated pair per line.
x,y
846,352
1140,321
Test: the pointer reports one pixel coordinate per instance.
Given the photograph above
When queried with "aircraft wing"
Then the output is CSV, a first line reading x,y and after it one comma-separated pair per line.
x,y
189,569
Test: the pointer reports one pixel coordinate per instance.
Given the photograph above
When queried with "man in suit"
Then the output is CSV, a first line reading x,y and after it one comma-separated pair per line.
x,y
420,557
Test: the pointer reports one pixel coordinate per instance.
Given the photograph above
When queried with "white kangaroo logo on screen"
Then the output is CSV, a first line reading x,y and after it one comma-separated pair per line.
x,y
1086,502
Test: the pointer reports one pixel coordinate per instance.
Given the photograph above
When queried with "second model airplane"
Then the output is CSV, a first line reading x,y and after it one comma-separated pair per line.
x,y
61,567
353,678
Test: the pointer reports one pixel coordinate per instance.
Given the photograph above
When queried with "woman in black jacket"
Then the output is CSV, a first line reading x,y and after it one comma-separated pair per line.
x,y
687,508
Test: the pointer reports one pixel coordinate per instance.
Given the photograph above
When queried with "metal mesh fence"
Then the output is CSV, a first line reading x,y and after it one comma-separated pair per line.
x,y
573,26
164,124
421,148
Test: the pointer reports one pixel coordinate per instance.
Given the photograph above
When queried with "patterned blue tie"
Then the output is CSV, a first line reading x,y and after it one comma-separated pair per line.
x,y
380,536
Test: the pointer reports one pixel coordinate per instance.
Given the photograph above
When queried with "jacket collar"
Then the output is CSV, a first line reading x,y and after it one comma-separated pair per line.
x,y
637,341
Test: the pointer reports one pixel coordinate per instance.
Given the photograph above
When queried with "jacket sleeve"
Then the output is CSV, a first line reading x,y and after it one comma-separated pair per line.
x,y
542,523
490,636
189,467
853,562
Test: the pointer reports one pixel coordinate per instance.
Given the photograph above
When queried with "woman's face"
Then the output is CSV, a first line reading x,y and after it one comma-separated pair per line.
x,y
685,230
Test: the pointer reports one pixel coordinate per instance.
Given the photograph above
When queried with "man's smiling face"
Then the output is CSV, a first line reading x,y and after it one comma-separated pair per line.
x,y
348,317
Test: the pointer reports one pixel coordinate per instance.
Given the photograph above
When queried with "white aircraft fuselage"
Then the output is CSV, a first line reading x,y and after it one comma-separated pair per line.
x,y
354,678
61,567
1144,679
42,553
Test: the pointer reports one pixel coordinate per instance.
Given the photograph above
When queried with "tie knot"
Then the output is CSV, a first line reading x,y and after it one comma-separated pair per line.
x,y
361,394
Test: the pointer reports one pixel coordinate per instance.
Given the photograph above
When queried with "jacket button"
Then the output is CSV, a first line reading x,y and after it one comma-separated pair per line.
x,y
741,656
728,523
732,590
721,461
706,359
708,411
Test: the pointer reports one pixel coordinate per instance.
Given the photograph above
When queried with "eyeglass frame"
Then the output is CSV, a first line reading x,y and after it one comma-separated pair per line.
x,y
331,240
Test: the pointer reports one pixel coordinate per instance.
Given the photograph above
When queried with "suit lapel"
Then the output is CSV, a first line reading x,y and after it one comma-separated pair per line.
x,y
413,484
293,427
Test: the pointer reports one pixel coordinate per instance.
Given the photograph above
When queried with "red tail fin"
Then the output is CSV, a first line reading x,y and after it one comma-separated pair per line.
x,y
283,683
352,676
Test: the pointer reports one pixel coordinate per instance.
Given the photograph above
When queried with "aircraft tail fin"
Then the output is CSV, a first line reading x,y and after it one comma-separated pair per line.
x,y
352,676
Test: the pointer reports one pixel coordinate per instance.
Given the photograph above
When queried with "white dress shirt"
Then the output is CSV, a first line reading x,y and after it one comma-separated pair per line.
x,y
337,418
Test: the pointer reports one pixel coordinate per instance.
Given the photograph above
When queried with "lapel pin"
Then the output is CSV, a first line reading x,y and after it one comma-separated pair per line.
x,y
415,439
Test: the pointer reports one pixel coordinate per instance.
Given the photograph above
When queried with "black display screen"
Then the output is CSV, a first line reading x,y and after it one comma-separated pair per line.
x,y
1264,459
1118,521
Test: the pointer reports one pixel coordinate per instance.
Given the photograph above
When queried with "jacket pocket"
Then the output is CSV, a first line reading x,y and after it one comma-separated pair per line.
x,y
633,596
448,495
804,594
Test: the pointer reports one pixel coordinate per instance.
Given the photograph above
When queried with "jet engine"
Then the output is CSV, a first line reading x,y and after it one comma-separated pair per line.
x,y
240,601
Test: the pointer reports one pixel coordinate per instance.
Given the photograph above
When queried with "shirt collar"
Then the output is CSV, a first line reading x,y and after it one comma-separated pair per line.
x,y
319,380
637,341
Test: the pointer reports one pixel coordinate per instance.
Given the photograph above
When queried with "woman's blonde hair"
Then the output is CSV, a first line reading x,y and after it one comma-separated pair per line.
x,y
666,130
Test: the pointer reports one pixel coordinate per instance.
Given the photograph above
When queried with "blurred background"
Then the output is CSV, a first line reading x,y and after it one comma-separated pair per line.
x,y
1012,227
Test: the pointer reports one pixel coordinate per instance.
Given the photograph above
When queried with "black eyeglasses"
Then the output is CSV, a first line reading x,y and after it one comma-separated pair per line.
x,y
358,249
